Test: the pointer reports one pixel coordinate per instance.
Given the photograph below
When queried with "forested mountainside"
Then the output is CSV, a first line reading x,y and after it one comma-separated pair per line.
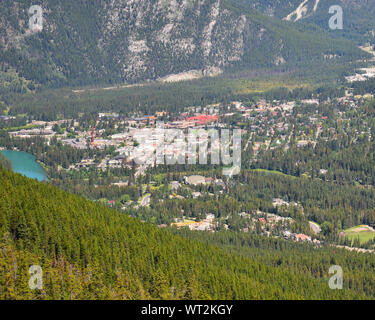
x,y
105,41
4,162
88,251
358,15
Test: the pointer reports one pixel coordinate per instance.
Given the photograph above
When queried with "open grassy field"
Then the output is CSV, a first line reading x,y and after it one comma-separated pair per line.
x,y
27,127
364,233
273,172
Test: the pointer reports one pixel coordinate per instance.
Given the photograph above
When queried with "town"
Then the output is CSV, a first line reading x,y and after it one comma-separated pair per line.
x,y
115,142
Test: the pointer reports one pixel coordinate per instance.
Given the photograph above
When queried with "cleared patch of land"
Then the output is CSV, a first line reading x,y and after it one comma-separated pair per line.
x,y
315,227
363,232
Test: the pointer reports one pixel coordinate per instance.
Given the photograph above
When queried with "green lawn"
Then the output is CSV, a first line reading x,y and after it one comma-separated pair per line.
x,y
29,126
364,236
273,172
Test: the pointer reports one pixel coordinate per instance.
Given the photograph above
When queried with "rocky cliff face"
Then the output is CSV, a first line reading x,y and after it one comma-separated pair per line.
x,y
167,36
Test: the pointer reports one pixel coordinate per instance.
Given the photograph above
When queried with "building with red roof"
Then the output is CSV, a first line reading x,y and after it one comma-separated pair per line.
x,y
203,119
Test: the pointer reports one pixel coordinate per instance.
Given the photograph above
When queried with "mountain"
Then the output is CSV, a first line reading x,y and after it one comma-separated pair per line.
x,y
105,41
358,15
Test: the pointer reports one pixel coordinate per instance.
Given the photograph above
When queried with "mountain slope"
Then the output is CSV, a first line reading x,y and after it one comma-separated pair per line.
x,y
88,251
105,41
5,163
358,15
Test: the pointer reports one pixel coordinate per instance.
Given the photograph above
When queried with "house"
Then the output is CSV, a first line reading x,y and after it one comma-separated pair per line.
x,y
196,195
160,114
310,101
287,234
301,237
175,185
114,163
262,220
219,182
176,196
316,241
111,203
279,203
195,180
302,143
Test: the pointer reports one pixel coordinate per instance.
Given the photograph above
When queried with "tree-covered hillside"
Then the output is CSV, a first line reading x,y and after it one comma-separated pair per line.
x,y
102,41
358,15
88,251
4,162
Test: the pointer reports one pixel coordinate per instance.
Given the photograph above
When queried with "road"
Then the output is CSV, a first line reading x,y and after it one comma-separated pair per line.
x,y
317,136
248,141
290,137
146,200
